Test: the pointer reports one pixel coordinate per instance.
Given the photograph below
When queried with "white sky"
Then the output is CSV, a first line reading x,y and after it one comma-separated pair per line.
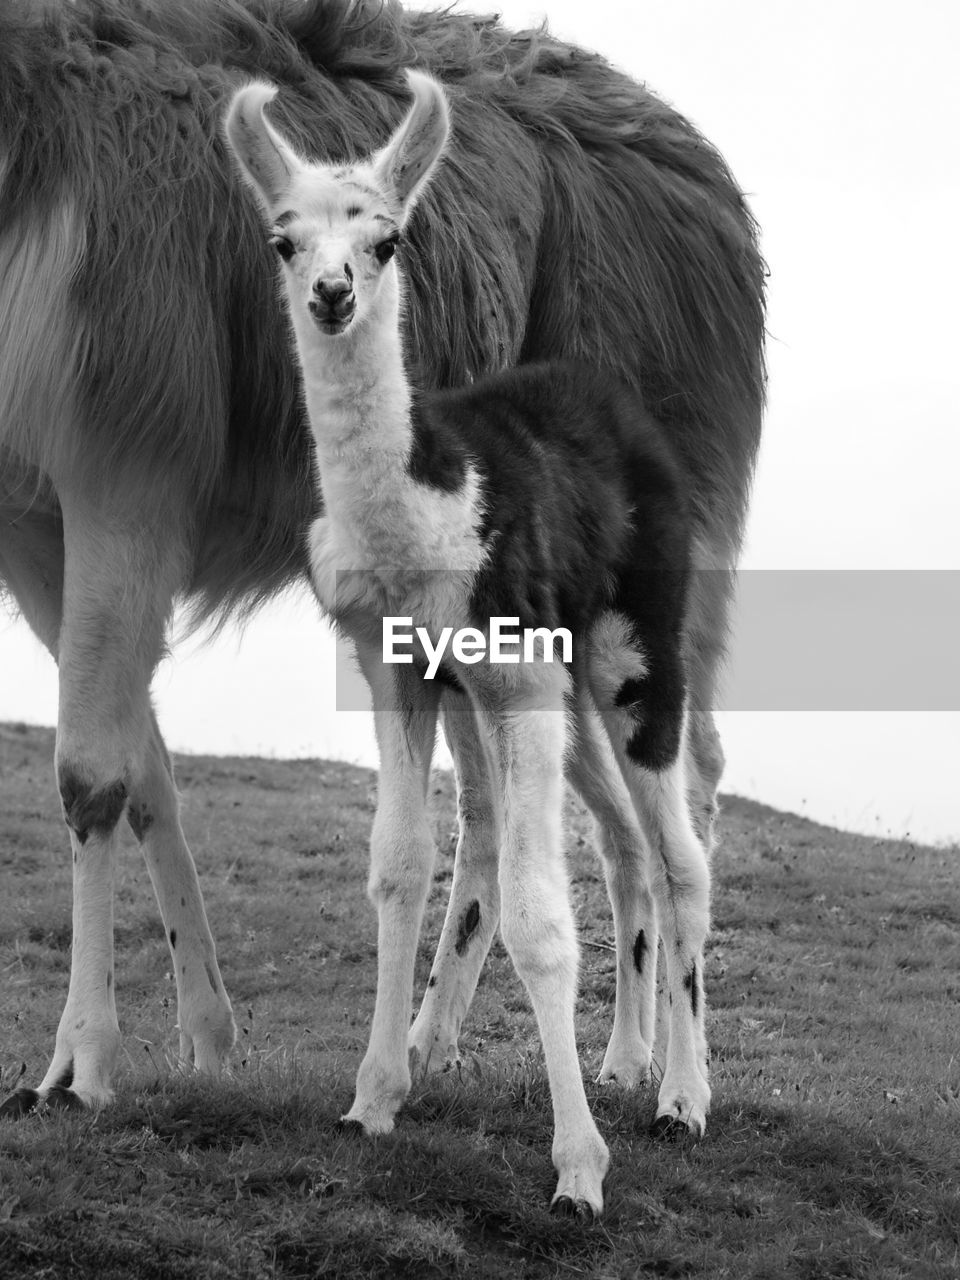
x,y
840,120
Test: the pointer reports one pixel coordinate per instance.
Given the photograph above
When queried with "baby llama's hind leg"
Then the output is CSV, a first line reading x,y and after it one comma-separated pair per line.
x,y
680,879
592,770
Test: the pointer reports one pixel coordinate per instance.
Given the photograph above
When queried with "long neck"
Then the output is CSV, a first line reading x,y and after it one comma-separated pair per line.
x,y
358,399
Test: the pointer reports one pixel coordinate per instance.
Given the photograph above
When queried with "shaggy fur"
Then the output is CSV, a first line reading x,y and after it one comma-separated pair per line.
x,y
152,439
109,118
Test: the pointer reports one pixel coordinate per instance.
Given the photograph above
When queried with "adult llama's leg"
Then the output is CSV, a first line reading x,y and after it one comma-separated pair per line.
x,y
401,864
205,1019
473,911
117,589
537,923
593,772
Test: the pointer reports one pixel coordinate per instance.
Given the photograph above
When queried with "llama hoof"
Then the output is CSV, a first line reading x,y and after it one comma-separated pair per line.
x,y
670,1128
350,1128
626,1077
22,1103
60,1099
431,1060
369,1124
626,1065
578,1210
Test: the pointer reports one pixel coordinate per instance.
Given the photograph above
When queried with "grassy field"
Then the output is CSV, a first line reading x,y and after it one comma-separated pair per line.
x,y
833,1148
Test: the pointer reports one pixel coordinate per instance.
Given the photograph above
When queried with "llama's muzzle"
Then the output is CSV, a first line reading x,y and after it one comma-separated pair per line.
x,y
333,304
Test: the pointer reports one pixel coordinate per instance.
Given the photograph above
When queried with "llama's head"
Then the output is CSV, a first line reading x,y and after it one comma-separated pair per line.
x,y
336,227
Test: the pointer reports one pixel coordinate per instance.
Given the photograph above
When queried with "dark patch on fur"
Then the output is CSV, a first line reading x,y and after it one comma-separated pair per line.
x,y
433,980
140,819
109,980
467,927
65,1079
173,939
639,948
690,985
87,810
437,456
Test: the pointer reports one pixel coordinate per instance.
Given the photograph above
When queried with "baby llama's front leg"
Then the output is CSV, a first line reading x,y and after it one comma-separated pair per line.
x,y
401,865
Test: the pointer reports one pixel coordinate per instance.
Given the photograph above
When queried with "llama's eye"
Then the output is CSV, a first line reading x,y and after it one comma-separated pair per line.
x,y
283,246
387,248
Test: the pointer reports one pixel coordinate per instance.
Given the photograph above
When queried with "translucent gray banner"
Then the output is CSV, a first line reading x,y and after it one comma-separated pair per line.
x,y
810,640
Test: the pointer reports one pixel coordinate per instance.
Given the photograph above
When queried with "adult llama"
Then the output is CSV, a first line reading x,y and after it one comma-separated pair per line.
x,y
153,443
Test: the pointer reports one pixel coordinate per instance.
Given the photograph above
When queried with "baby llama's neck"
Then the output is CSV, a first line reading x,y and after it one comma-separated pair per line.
x,y
358,398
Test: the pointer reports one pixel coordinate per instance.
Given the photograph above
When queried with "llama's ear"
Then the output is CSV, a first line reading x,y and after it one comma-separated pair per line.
x,y
404,165
265,159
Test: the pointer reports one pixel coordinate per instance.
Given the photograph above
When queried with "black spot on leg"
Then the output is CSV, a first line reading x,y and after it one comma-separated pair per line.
x,y
690,985
140,819
87,809
173,939
467,927
433,980
639,947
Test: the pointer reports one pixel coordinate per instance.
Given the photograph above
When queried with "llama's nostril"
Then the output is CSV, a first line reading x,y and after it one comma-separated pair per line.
x,y
333,293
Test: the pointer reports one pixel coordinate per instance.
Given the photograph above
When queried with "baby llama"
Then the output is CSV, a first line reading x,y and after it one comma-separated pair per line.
x,y
543,494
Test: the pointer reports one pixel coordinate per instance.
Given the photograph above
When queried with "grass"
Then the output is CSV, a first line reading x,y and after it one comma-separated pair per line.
x,y
833,1148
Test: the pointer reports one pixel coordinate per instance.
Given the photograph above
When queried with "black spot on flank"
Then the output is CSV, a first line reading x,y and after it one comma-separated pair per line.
x,y
655,701
433,980
354,211
630,693
639,947
212,979
183,902
467,927
690,984
173,939
65,1078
